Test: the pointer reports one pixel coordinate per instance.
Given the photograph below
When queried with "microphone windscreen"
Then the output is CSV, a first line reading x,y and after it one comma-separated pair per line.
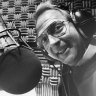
x,y
20,71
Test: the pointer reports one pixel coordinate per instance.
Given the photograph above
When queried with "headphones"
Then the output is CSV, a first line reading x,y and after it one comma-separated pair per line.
x,y
82,19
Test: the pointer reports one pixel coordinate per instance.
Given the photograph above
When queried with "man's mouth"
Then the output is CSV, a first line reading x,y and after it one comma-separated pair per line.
x,y
59,50
62,51
64,48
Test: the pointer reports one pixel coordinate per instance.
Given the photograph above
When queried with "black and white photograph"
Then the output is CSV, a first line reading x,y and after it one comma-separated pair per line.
x,y
47,47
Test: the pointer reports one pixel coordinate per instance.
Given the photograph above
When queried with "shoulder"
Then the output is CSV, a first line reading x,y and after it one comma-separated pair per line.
x,y
90,53
87,65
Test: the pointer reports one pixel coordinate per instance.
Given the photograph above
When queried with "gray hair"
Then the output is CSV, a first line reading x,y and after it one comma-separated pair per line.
x,y
44,6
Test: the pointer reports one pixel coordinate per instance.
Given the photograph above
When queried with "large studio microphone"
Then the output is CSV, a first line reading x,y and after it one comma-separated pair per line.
x,y
20,68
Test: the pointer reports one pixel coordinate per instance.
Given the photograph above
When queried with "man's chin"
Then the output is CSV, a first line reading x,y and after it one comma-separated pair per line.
x,y
69,61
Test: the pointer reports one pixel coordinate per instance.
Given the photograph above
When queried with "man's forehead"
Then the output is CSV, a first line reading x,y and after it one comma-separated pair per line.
x,y
50,14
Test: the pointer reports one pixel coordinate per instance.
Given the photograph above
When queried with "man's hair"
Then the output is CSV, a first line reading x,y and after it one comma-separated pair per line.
x,y
44,6
88,28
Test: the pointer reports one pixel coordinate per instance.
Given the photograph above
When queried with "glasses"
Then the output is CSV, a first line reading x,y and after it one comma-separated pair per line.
x,y
56,29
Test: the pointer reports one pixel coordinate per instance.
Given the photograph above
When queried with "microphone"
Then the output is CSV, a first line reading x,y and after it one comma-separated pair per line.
x,y
20,68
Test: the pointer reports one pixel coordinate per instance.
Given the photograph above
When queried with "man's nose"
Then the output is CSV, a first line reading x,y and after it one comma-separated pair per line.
x,y
53,40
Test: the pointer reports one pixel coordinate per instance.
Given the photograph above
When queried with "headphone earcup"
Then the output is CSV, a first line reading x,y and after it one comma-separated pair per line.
x,y
81,16
85,21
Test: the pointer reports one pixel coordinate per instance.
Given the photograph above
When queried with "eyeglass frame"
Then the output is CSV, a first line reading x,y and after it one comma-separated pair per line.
x,y
42,31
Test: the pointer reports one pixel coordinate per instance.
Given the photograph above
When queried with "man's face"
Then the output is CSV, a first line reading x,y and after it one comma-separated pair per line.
x,y
1,27
59,37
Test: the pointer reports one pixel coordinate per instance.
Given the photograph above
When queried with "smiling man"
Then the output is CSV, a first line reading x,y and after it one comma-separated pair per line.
x,y
59,36
68,38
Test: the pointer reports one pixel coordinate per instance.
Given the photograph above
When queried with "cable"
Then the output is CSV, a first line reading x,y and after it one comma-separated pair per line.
x,y
62,74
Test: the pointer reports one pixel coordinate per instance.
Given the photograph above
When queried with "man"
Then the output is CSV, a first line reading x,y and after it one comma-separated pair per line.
x,y
60,38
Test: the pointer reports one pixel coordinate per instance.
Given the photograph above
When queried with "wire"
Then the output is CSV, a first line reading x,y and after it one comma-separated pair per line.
x,y
62,74
26,44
